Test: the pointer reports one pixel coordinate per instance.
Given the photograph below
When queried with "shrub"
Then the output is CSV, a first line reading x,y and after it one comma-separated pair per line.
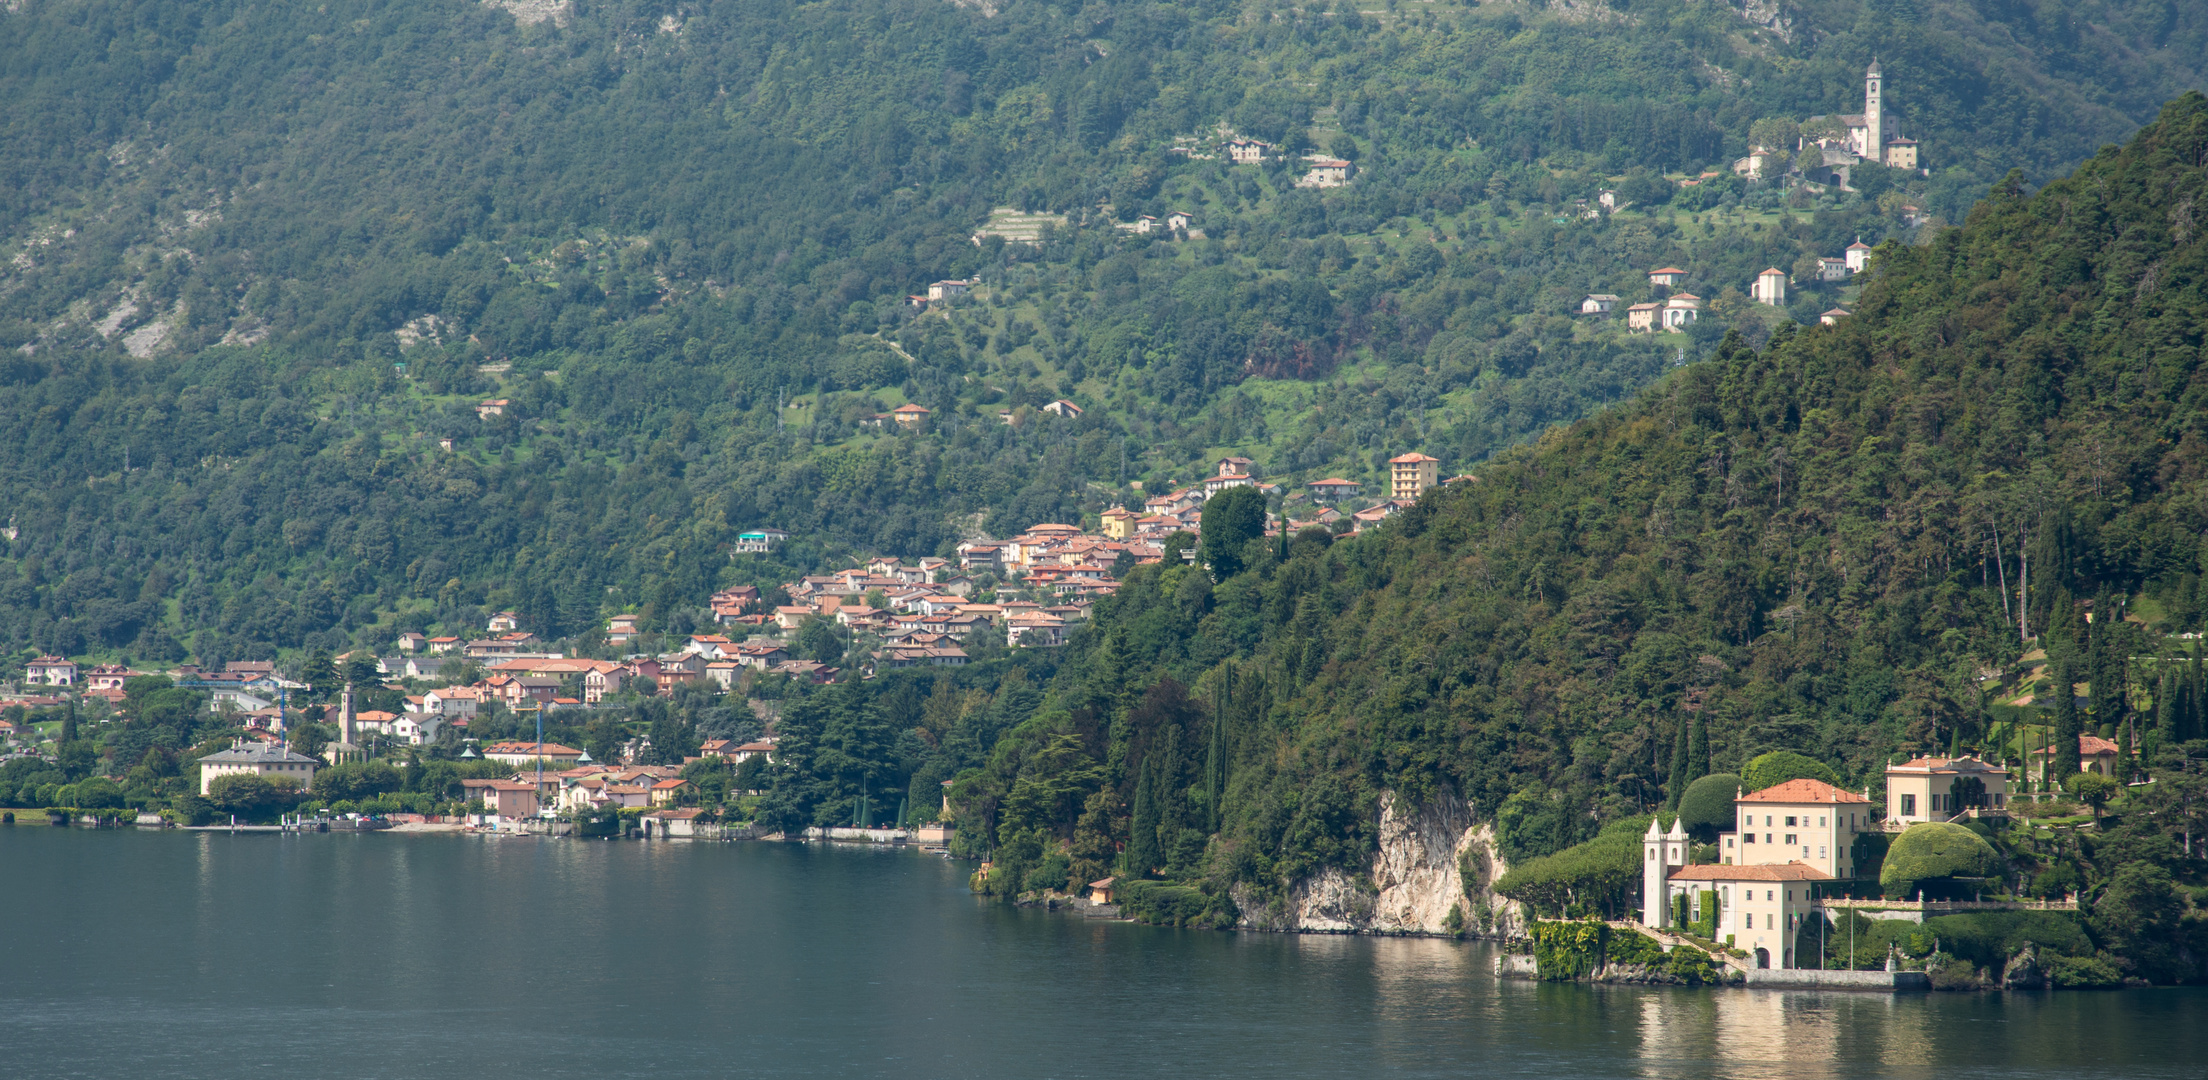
x,y
1168,904
1563,951
1633,948
1707,807
1989,938
1780,766
1693,965
2083,973
1934,853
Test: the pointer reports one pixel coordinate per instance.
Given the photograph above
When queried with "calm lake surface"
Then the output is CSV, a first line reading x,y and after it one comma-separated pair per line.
x,y
129,954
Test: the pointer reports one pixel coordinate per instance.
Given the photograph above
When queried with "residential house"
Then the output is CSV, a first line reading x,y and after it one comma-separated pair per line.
x,y
604,679
665,792
1118,523
1246,151
484,410
944,290
1641,318
1858,256
673,824
758,541
108,677
1667,276
1832,317
50,671
1326,172
621,629
1179,220
1062,407
1597,304
511,800
528,753
412,642
2095,754
1334,489
1832,269
505,622
909,415
444,644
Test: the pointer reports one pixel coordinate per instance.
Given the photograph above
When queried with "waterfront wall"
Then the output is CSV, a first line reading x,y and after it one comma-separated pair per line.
x,y
1812,979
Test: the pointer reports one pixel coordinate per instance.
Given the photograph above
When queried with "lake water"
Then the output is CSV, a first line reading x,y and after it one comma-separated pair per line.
x,y
129,954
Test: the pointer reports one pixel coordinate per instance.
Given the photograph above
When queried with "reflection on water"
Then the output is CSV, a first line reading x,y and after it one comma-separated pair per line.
x,y
437,956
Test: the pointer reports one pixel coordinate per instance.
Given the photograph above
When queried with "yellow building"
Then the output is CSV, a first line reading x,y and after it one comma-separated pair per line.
x,y
1119,523
1759,907
1411,474
1938,788
1805,821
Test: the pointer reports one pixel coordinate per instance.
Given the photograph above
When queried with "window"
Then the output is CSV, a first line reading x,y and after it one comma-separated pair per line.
x,y
1749,922
1789,839
1767,819
1751,838
1728,841
1820,851
1767,894
1908,806
1820,821
1790,824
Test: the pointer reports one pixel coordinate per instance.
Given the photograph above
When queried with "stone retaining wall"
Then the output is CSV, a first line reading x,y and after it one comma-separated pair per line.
x,y
1812,979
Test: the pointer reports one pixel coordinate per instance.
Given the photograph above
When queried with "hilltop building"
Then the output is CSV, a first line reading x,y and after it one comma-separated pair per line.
x,y
1411,474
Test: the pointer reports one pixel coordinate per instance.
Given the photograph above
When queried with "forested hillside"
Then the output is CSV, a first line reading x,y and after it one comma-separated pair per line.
x,y
1839,545
260,261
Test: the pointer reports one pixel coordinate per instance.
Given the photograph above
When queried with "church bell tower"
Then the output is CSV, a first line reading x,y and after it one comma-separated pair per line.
x,y
1874,127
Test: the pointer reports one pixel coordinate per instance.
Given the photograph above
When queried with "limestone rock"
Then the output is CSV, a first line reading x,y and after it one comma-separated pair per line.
x,y
2023,971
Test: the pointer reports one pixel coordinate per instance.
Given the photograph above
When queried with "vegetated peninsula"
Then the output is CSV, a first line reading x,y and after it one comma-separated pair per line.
x,y
373,371
1961,525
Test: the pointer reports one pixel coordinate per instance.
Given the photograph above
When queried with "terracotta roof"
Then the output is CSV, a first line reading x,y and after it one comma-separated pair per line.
x,y
1793,871
2088,746
1803,791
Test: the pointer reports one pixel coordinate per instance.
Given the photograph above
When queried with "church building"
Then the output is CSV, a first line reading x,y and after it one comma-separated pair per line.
x,y
1869,136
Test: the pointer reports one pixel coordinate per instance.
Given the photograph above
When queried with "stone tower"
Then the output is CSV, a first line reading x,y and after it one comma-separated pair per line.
x,y
1874,127
1661,853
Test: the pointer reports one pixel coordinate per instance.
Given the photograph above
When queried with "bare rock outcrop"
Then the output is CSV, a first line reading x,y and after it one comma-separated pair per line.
x,y
1433,860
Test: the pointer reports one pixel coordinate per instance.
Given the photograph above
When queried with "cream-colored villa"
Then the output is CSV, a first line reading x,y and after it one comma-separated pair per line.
x,y
1937,789
1789,837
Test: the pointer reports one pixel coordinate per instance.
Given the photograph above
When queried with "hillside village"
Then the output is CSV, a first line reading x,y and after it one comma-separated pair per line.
x,y
1028,591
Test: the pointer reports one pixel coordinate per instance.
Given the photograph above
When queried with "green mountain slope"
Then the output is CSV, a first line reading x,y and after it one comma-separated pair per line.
x,y
229,227
1822,546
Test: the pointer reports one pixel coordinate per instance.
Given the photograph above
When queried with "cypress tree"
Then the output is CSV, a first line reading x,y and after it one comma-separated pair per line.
x,y
2165,701
2191,698
2063,762
1698,750
1142,855
69,724
1677,785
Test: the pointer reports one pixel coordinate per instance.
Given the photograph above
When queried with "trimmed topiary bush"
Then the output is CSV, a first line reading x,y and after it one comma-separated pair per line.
x,y
1707,807
1780,766
1932,854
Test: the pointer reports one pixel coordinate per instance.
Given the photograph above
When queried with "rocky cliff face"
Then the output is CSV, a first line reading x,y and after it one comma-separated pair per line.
x,y
1432,860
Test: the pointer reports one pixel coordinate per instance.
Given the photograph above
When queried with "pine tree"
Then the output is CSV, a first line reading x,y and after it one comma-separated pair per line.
x,y
1142,855
2063,762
